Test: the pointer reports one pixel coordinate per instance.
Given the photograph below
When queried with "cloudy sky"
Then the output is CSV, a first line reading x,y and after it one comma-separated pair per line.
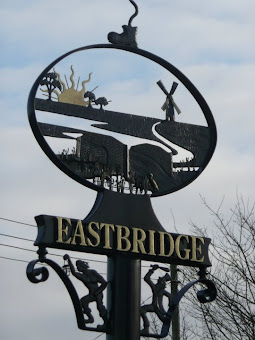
x,y
212,43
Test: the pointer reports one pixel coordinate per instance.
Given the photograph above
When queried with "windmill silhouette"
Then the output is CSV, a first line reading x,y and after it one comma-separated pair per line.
x,y
169,105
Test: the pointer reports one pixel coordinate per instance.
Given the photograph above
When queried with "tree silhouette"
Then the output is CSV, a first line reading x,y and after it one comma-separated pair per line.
x,y
51,83
232,252
232,315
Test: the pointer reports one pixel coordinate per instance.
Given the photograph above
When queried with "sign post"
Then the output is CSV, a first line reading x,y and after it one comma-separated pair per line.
x,y
122,224
124,297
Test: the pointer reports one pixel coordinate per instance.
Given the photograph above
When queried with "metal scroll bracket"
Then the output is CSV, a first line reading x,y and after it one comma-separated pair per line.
x,y
41,274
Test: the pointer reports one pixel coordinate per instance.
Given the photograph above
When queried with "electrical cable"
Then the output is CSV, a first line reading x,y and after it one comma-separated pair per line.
x,y
9,258
98,336
13,221
15,247
34,251
17,260
19,238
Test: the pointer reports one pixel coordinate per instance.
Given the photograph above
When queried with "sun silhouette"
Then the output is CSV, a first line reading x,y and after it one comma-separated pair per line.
x,y
70,94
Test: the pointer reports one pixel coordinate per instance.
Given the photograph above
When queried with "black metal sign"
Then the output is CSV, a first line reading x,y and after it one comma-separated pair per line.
x,y
122,223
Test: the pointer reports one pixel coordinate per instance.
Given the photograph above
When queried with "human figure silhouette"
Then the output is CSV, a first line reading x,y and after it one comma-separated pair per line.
x,y
158,292
95,283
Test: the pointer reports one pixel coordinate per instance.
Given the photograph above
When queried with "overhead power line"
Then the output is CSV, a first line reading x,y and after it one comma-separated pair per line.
x,y
13,221
20,248
34,251
18,260
9,258
98,336
16,237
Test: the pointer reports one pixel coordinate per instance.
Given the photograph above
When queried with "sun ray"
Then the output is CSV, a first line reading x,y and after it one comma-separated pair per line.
x,y
84,82
71,77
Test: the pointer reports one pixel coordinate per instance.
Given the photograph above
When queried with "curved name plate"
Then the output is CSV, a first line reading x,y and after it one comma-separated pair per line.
x,y
109,239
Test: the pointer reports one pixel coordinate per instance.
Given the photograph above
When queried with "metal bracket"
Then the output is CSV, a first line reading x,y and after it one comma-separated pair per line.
x,y
204,296
37,275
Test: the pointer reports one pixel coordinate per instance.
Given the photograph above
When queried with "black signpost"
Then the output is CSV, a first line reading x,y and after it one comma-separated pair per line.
x,y
122,224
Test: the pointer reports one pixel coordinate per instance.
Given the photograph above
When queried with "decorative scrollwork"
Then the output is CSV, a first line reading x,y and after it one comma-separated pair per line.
x,y
36,275
209,294
158,290
135,14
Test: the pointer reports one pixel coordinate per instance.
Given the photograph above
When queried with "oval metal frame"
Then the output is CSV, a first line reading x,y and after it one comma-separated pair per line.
x,y
169,67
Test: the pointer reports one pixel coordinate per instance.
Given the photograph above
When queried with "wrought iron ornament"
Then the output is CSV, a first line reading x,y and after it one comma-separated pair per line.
x,y
91,279
96,284
159,291
128,36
